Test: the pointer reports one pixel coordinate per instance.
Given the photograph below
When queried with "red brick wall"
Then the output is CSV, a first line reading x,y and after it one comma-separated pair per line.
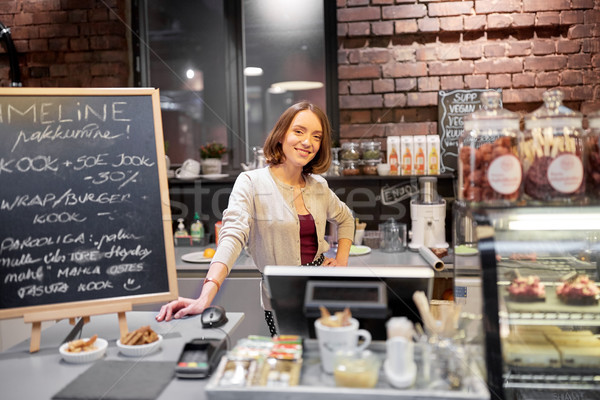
x,y
394,56
67,43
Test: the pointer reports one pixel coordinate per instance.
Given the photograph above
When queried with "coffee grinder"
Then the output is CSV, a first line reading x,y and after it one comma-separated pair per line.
x,y
428,216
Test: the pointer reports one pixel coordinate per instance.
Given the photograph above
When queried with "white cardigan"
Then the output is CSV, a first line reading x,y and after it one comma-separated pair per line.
x,y
261,213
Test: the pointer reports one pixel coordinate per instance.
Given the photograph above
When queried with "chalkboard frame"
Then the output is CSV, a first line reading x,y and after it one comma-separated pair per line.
x,y
121,302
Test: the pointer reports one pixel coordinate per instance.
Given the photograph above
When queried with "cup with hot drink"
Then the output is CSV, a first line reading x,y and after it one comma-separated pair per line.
x,y
336,333
189,169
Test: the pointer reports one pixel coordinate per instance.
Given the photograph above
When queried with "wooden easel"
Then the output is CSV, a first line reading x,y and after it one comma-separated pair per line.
x,y
36,318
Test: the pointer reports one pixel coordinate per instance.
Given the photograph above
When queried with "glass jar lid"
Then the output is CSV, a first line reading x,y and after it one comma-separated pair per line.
x,y
491,115
553,114
349,145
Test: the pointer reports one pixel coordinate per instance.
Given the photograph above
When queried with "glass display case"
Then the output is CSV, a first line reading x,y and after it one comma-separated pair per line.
x,y
540,283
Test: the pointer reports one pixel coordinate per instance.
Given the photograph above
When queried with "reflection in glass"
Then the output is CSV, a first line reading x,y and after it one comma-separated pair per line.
x,y
186,42
285,38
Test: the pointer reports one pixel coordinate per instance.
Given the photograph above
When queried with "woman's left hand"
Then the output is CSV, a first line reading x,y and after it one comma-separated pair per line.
x,y
329,262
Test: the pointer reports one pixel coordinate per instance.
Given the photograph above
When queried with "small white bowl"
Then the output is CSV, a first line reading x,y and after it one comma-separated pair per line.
x,y
383,169
140,350
86,356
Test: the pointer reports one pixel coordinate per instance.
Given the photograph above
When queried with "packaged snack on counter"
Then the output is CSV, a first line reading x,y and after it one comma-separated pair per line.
x,y
280,373
236,372
255,347
553,153
286,351
288,339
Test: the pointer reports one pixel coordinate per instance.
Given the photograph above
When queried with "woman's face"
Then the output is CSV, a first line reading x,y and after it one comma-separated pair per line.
x,y
302,140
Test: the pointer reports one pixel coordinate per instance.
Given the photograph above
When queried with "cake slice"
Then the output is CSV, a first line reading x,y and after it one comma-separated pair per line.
x,y
580,291
580,356
527,289
542,355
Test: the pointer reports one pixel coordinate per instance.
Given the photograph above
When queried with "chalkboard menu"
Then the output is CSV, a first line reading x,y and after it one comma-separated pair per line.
x,y
84,205
453,106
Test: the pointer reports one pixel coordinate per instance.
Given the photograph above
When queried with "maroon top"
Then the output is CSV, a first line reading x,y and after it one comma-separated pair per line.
x,y
308,238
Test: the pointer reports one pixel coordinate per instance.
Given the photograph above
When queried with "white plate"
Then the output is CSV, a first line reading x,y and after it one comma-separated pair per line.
x,y
197,257
359,250
140,350
84,357
463,250
188,178
214,176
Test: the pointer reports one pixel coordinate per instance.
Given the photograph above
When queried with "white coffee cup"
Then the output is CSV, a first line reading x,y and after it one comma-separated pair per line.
x,y
189,169
400,355
332,339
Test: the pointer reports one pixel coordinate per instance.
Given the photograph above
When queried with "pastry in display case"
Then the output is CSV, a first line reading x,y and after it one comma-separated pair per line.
x,y
541,287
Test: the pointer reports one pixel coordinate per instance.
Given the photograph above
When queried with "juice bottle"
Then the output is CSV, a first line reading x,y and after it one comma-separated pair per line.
x,y
433,154
433,162
393,162
393,154
420,150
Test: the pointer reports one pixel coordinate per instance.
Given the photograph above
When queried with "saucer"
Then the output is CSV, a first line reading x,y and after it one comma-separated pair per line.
x,y
214,176
188,178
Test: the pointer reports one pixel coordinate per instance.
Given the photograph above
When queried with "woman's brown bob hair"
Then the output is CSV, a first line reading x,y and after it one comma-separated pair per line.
x,y
274,152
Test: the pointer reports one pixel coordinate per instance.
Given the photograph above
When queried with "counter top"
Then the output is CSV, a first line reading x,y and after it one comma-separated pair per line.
x,y
41,375
376,257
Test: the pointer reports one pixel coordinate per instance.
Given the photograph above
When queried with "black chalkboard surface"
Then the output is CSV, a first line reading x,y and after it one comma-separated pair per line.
x,y
453,106
84,205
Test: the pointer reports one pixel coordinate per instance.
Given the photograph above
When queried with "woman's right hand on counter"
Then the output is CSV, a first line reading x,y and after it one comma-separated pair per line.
x,y
180,308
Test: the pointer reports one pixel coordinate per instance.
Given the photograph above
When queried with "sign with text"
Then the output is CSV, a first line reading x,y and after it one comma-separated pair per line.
x,y
453,106
84,202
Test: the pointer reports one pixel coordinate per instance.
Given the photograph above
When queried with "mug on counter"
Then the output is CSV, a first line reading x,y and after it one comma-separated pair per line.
x,y
189,169
332,339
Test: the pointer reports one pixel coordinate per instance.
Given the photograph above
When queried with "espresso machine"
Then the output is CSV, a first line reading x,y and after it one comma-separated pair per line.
x,y
428,217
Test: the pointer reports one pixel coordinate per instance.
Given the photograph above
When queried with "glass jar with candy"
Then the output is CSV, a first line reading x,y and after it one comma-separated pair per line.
x,y
553,153
489,168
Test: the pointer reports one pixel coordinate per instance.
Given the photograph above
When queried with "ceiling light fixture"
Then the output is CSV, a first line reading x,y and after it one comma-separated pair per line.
x,y
298,85
253,71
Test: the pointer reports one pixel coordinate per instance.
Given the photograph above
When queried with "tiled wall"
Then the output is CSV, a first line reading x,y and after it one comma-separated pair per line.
x,y
394,57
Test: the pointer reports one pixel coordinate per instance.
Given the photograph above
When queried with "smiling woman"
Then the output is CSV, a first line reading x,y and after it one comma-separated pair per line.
x,y
280,212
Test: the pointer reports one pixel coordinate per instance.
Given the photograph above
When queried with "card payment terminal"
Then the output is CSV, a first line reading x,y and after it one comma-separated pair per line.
x,y
200,357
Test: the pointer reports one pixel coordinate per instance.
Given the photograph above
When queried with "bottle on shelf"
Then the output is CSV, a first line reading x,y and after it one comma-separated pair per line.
x,y
420,147
433,151
181,231
407,155
197,230
393,162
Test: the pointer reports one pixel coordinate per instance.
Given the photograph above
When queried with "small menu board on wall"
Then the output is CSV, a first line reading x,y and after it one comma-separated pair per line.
x,y
84,202
453,106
